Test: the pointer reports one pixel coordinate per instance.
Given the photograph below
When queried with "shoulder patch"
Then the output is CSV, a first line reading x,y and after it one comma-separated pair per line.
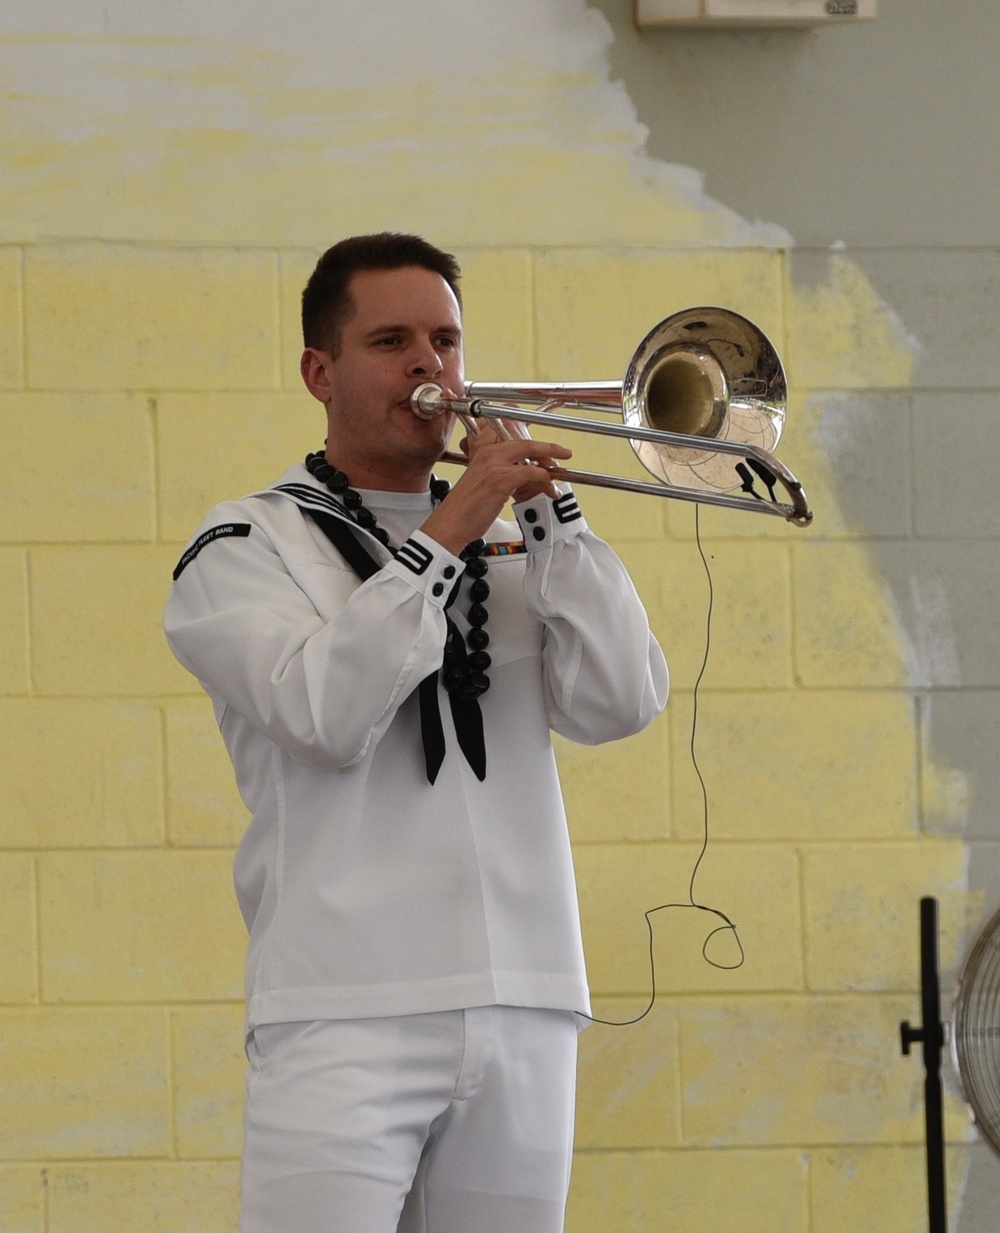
x,y
239,529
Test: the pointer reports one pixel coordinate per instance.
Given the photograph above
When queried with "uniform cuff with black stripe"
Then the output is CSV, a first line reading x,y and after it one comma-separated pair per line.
x,y
543,520
428,567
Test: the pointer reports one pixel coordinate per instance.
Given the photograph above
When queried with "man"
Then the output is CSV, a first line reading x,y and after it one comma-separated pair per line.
x,y
386,659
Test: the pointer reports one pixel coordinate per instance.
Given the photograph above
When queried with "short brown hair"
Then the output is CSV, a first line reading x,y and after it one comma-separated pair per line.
x,y
326,300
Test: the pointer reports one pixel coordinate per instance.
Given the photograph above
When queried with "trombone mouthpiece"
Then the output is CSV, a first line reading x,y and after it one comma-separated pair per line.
x,y
427,401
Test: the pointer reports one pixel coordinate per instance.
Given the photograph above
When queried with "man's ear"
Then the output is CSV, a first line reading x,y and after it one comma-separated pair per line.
x,y
314,367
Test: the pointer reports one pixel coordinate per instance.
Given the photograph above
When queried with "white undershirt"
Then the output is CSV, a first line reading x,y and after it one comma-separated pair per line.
x,y
399,513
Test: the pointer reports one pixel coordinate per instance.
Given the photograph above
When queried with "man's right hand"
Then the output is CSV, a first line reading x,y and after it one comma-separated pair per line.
x,y
498,470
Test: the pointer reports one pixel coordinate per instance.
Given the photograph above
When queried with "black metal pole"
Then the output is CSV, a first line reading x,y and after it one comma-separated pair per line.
x,y
931,1035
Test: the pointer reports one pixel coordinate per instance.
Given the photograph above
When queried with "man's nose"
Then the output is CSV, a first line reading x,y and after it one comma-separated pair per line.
x,y
425,362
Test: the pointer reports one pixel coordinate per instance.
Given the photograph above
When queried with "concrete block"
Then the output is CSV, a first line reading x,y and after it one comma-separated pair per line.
x,y
498,315
745,587
295,267
847,631
15,674
209,1068
62,791
937,292
75,1084
862,442
97,622
840,333
748,589
219,446
171,1197
148,318
204,808
18,940
861,911
956,444
882,1188
753,886
797,765
619,791
960,771
22,1199
947,600
819,1070
628,1089
594,309
633,1192
140,926
75,468
11,320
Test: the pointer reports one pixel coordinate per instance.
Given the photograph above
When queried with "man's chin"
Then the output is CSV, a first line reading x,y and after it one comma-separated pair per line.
x,y
428,446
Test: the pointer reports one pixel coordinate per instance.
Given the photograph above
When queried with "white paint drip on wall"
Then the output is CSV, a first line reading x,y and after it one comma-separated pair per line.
x,y
936,657
467,102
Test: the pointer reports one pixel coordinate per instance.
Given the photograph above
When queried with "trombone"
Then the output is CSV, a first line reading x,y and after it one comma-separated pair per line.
x,y
702,402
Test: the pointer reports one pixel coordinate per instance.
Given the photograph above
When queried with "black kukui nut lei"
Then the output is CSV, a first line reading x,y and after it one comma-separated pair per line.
x,y
463,671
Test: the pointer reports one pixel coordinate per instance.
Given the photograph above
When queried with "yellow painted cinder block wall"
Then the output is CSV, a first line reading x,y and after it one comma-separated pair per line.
x,y
121,1056
151,371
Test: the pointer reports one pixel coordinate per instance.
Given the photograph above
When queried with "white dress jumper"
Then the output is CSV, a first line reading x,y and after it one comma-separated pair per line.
x,y
368,892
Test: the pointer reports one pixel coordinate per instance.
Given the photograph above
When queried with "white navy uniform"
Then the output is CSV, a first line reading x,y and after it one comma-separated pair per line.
x,y
367,891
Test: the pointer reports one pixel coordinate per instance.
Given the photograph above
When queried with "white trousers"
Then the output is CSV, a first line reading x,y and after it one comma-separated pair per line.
x,y
453,1122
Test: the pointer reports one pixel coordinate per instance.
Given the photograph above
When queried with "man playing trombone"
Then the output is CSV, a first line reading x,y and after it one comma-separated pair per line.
x,y
387,657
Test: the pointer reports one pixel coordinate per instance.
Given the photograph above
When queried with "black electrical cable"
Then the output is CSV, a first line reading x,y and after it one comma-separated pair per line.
x,y
692,902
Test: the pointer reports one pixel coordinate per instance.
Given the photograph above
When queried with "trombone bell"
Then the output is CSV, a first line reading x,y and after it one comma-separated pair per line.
x,y
707,373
